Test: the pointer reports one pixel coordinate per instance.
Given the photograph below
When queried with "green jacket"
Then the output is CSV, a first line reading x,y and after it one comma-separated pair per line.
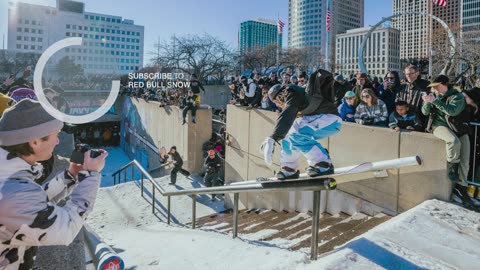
x,y
452,107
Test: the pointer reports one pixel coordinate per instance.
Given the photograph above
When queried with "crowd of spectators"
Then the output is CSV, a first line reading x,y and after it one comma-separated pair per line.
x,y
98,134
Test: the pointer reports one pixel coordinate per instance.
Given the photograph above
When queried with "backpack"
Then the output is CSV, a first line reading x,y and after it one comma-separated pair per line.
x,y
319,88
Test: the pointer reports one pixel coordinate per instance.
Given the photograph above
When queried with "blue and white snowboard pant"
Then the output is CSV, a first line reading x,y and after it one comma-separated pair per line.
x,y
303,137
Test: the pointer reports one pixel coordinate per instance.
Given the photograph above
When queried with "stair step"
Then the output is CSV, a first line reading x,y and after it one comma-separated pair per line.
x,y
292,230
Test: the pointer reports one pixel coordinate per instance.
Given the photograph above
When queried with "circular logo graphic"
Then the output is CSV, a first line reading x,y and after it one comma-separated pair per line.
x,y
37,83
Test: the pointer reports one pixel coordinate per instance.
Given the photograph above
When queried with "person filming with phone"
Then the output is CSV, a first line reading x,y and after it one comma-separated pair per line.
x,y
29,215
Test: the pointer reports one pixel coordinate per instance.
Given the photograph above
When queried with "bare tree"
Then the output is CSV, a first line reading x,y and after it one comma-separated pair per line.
x,y
15,62
260,57
467,53
304,58
67,68
201,55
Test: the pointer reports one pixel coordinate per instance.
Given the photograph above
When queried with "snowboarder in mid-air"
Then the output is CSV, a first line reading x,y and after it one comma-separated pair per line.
x,y
318,119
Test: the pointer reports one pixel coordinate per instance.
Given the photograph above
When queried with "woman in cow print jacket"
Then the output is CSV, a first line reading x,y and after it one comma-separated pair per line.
x,y
29,216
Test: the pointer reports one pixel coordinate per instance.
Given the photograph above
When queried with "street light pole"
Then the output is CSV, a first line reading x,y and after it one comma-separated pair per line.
x,y
430,50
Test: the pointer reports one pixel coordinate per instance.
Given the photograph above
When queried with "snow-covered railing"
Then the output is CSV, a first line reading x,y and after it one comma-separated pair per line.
x,y
314,184
144,175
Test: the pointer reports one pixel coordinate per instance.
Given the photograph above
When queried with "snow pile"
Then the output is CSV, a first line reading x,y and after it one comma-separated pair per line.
x,y
433,235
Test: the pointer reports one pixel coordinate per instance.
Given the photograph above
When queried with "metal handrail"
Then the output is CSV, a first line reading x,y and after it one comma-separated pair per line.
x,y
134,163
314,184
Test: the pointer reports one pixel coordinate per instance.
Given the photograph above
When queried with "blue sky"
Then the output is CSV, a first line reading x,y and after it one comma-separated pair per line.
x,y
220,18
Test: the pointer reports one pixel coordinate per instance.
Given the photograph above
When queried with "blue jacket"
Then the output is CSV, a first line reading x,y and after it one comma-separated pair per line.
x,y
345,109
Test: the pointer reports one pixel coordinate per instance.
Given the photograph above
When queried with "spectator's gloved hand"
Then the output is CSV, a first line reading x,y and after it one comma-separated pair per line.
x,y
267,148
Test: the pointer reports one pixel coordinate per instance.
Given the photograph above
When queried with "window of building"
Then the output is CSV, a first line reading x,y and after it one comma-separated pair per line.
x,y
19,46
19,29
26,30
19,37
25,38
27,22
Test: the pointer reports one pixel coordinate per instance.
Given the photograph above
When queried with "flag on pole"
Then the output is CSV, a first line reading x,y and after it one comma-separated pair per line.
x,y
328,19
280,26
442,3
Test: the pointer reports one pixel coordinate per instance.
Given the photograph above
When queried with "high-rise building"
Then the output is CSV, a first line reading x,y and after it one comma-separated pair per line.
x,y
110,44
307,20
258,33
471,17
381,53
414,29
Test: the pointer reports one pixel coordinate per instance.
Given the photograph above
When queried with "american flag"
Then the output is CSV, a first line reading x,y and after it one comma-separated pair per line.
x,y
280,26
442,3
329,18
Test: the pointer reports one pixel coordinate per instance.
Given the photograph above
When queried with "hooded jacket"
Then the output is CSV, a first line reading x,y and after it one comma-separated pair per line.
x,y
320,100
345,109
29,216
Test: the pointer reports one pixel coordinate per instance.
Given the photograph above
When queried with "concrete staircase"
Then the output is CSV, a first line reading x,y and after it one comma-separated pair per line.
x,y
292,230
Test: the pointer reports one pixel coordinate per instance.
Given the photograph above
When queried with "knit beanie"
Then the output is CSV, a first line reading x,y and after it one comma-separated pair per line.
x,y
26,121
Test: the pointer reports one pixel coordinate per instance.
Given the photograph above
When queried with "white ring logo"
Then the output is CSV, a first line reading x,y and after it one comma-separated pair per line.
x,y
37,83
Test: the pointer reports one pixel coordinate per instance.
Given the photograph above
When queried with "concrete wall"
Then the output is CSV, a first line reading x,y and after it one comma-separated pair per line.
x,y
355,144
162,126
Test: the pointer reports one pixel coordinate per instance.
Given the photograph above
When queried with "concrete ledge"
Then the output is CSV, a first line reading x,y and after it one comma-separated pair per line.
x,y
162,126
401,190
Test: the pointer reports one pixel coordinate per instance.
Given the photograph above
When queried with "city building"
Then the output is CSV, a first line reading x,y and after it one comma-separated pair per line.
x,y
111,44
471,17
414,29
381,53
307,22
258,33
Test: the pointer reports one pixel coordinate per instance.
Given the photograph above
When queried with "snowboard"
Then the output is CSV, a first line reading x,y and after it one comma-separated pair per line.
x,y
303,177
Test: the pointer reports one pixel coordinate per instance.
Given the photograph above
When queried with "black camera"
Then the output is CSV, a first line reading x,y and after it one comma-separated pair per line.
x,y
79,151
368,121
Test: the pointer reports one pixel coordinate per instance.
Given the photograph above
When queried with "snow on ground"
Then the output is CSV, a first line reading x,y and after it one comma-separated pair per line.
x,y
433,235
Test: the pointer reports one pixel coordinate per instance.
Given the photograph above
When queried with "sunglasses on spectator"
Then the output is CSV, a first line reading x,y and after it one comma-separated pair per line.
x,y
366,96
390,78
350,98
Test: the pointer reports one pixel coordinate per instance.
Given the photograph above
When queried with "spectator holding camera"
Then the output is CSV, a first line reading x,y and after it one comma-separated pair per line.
x,y
444,105
371,110
212,167
29,215
389,89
